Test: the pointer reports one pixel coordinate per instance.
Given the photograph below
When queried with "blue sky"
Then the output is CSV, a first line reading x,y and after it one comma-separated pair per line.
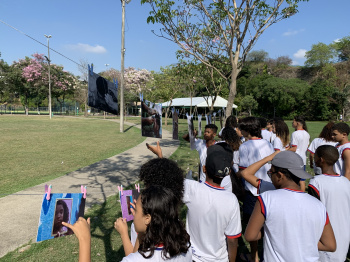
x,y
91,30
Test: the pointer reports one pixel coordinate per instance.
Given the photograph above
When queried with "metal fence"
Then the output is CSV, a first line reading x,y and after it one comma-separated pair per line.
x,y
18,109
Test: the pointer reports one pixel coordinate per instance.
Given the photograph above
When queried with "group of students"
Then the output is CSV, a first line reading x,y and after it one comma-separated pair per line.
x,y
264,171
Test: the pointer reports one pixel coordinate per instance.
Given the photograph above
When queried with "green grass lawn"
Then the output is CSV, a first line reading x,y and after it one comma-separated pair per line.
x,y
36,149
106,243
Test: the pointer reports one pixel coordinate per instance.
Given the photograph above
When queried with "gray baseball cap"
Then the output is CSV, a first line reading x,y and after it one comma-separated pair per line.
x,y
291,161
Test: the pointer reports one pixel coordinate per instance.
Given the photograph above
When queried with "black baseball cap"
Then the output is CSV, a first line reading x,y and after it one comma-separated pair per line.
x,y
219,159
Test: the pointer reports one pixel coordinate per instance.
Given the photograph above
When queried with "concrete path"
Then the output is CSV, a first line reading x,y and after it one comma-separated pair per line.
x,y
20,214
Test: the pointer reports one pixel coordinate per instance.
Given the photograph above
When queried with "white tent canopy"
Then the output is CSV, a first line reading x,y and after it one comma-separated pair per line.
x,y
198,102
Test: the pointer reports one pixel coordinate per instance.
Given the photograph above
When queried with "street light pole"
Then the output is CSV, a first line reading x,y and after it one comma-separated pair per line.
x,y
49,61
122,71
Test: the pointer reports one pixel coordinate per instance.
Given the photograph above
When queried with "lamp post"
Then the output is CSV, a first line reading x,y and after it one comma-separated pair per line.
x,y
122,68
49,61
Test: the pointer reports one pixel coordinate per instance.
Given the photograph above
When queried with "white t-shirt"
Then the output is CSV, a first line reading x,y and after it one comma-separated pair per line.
x,y
213,215
251,152
334,193
273,136
157,256
300,139
314,145
201,147
226,181
278,145
339,167
294,222
266,135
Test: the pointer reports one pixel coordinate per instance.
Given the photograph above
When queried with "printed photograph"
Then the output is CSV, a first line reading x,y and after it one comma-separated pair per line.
x,y
62,214
128,197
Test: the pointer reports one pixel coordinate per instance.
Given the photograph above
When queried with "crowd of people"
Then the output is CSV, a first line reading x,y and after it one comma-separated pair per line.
x,y
253,175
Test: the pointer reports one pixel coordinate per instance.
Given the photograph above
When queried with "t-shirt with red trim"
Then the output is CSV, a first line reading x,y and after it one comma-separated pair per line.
x,y
278,145
300,139
334,193
339,166
158,257
213,215
294,223
266,134
318,141
251,152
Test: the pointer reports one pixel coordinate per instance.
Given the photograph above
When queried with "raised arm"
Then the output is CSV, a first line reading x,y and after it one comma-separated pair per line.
x,y
249,173
155,149
122,227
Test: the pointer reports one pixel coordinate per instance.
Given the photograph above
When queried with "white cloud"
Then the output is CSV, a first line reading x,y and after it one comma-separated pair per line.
x,y
336,40
295,63
294,32
300,54
86,48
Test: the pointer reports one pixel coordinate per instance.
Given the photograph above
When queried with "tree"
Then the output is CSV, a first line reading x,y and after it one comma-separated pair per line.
x,y
319,55
257,56
4,89
136,82
249,103
81,92
209,31
342,46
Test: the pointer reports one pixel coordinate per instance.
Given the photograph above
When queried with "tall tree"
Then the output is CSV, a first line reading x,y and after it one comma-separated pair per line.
x,y
208,30
342,46
319,55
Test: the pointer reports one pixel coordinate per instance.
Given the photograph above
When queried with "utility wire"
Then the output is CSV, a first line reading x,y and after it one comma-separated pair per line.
x,y
41,43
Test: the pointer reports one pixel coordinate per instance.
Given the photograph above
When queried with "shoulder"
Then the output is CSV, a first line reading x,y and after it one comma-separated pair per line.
x,y
134,257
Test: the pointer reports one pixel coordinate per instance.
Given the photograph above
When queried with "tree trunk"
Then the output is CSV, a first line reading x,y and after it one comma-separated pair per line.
x,y
232,94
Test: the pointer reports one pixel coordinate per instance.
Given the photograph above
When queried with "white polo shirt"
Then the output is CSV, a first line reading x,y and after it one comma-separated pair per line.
x,y
300,139
334,193
339,167
314,145
201,147
266,135
157,257
294,222
213,215
278,145
251,152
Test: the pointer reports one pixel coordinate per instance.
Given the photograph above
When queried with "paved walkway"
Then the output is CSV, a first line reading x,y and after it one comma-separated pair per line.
x,y
20,215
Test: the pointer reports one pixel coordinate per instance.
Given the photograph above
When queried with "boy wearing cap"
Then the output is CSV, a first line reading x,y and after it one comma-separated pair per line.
x,y
296,225
213,215
334,192
340,133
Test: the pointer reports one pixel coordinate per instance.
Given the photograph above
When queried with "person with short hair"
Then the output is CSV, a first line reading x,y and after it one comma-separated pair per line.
x,y
334,192
202,145
325,138
250,152
340,133
295,224
213,218
265,134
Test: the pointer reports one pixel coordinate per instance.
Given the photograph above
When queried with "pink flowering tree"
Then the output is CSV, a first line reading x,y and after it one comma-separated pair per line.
x,y
136,82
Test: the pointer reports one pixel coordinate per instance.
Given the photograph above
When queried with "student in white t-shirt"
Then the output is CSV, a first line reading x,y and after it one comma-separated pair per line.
x,y
164,237
334,192
340,133
153,172
265,134
269,128
296,225
300,141
213,217
281,141
250,152
325,138
231,121
202,145
233,183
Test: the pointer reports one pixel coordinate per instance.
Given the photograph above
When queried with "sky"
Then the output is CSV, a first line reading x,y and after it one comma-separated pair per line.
x,y
91,31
